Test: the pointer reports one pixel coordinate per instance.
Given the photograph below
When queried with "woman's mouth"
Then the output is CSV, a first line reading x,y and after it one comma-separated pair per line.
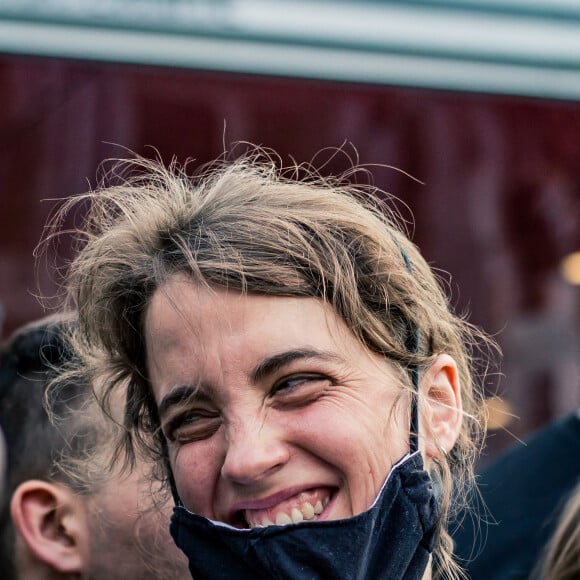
x,y
305,506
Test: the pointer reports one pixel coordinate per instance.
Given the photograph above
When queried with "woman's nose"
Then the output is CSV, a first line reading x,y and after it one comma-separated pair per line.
x,y
254,451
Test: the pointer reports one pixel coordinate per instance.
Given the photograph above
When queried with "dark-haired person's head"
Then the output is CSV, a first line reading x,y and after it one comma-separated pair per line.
x,y
65,512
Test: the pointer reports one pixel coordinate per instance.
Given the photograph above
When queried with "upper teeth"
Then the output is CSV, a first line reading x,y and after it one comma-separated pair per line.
x,y
282,519
297,516
306,511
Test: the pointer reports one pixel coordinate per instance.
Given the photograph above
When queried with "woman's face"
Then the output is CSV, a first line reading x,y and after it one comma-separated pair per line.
x,y
273,411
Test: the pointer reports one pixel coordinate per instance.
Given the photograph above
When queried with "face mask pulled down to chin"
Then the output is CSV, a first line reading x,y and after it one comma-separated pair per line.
x,y
392,540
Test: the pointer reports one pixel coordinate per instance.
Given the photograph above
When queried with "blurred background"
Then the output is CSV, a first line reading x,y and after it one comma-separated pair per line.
x,y
478,100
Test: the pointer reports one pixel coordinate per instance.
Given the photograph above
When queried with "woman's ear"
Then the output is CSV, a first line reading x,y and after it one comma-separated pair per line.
x,y
441,407
51,521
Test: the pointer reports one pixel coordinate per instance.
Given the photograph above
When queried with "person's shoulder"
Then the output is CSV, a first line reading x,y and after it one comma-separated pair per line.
x,y
569,427
552,446
501,532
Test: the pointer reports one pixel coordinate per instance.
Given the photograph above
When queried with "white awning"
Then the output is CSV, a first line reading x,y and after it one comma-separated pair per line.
x,y
511,46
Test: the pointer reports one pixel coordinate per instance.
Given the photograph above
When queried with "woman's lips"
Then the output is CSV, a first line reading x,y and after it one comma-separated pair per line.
x,y
306,505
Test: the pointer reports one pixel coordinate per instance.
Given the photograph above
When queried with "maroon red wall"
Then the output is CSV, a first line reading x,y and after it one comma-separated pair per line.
x,y
498,207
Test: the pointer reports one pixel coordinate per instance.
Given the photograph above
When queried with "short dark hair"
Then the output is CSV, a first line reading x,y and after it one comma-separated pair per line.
x,y
34,445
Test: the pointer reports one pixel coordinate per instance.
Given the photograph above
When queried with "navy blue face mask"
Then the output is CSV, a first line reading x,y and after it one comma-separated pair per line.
x,y
392,539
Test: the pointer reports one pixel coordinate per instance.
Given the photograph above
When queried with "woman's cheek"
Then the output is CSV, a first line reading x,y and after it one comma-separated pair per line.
x,y
196,471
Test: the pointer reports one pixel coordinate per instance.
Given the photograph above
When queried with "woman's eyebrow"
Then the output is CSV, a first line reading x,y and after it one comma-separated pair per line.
x,y
261,371
274,363
180,395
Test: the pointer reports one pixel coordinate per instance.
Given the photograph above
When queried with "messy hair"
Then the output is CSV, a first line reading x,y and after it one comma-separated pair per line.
x,y
560,559
253,226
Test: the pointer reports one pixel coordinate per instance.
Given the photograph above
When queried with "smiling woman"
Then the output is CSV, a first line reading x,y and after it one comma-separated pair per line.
x,y
275,377
291,362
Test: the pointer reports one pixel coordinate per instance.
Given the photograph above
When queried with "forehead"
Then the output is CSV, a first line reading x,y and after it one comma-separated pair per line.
x,y
189,328
182,308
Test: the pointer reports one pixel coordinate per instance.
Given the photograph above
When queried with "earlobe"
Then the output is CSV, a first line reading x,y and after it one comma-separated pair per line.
x,y
51,522
441,406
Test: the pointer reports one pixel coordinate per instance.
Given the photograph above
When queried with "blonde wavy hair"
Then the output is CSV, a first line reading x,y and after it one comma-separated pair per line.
x,y
561,559
254,227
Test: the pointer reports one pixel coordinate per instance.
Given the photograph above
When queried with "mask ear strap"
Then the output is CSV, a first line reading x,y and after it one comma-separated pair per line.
x,y
173,487
170,477
412,345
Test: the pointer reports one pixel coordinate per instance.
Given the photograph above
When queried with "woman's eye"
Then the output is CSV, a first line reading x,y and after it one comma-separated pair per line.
x,y
192,426
300,388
